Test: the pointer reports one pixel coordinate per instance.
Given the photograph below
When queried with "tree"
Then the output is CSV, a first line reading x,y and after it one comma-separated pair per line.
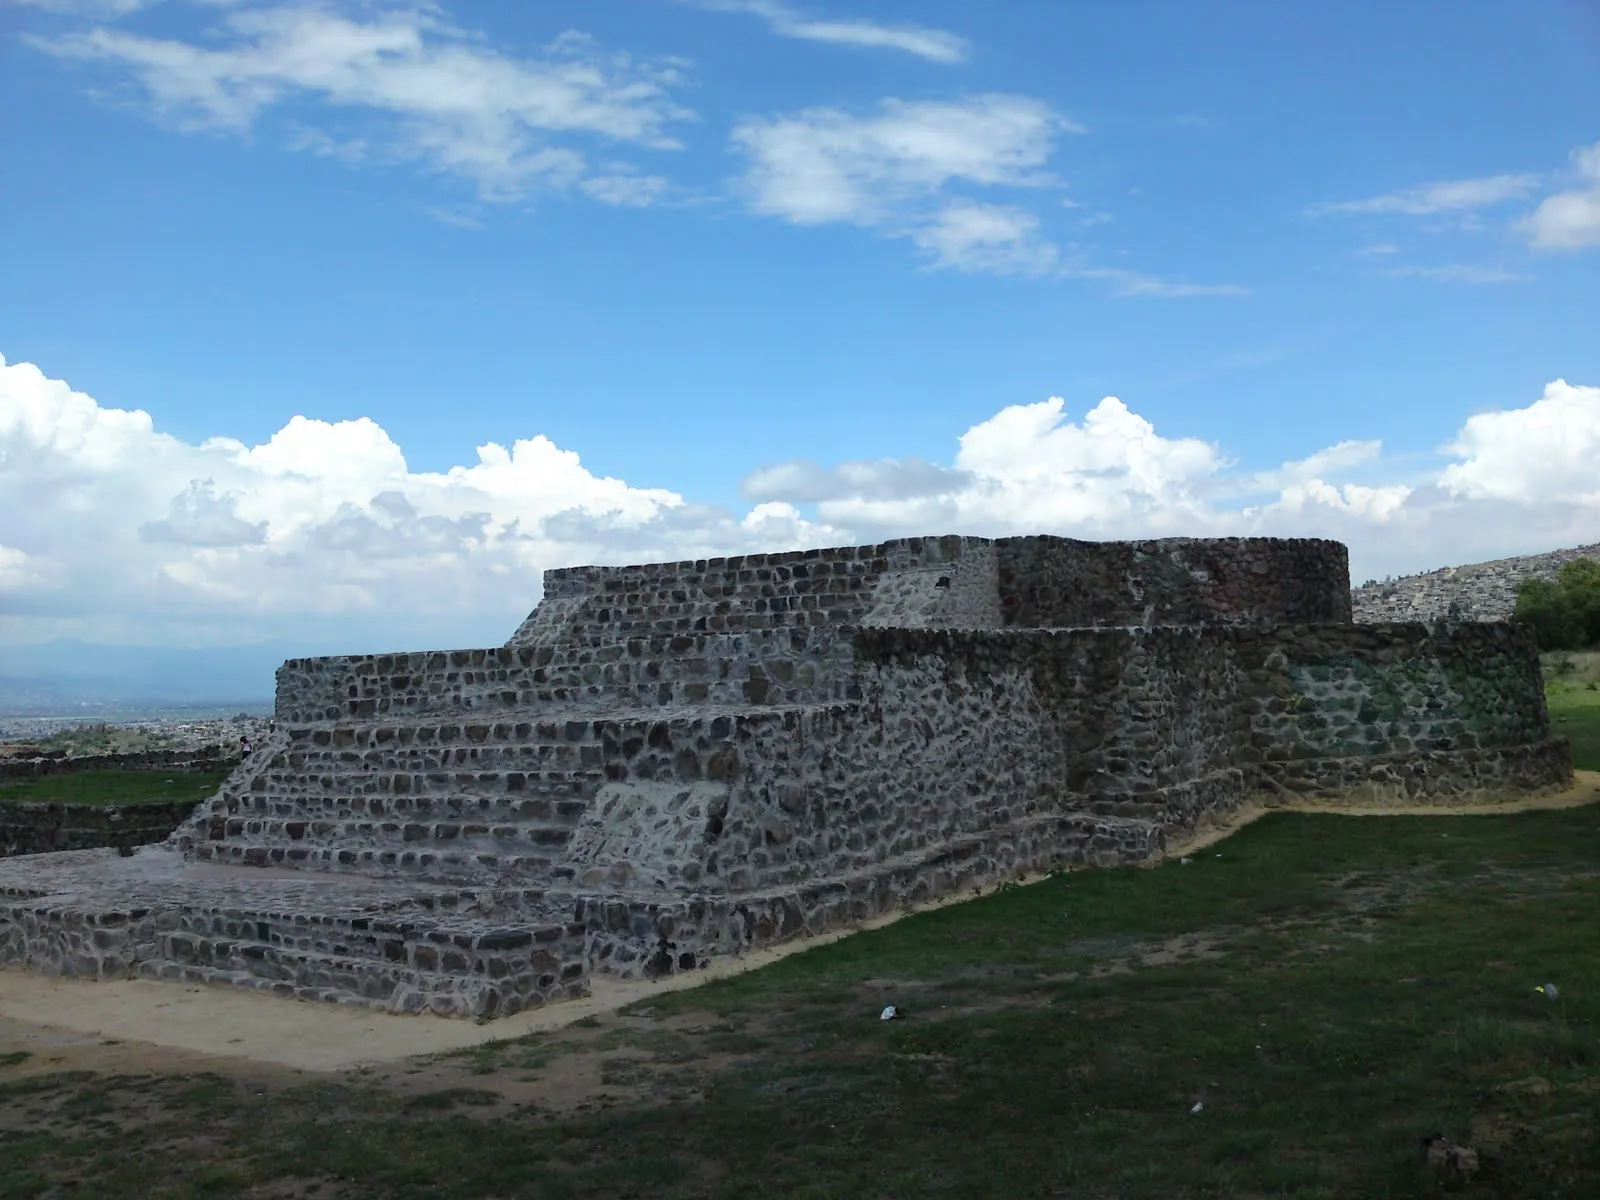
x,y
1580,583
1564,614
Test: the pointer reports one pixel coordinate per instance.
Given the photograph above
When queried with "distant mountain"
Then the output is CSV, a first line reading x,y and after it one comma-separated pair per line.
x,y
1484,591
69,675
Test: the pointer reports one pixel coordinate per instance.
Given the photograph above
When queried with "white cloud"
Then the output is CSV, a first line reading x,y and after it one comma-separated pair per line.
x,y
1343,456
901,170
146,534
142,537
936,45
1547,451
1113,475
823,164
1570,220
1458,273
18,571
422,90
1449,196
1372,504
1136,283
986,237
891,479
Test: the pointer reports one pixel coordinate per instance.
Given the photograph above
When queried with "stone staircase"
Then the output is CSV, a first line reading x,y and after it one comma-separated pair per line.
x,y
434,802
404,958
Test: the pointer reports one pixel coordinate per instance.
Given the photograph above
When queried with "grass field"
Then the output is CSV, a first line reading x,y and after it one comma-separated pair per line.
x,y
1327,989
1575,713
114,787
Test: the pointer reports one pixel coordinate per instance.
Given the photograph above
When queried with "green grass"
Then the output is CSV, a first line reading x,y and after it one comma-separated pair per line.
x,y
1575,714
1364,982
114,787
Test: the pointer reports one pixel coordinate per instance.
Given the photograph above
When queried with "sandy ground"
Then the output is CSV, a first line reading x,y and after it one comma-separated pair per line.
x,y
124,1025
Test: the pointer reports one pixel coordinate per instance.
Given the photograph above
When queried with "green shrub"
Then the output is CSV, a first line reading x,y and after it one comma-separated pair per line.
x,y
1565,613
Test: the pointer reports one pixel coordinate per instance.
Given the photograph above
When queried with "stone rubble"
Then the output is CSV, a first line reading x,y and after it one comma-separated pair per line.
x,y
672,762
1478,592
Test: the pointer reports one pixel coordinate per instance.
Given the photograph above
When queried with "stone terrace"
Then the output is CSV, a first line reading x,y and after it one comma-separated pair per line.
x,y
667,763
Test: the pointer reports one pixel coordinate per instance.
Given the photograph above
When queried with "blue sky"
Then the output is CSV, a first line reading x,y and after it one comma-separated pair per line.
x,y
778,274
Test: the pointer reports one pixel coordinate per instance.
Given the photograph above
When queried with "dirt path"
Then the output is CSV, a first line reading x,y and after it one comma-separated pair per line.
x,y
143,1026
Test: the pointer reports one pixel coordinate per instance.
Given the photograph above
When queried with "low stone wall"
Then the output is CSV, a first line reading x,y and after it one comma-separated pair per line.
x,y
43,828
1056,582
171,760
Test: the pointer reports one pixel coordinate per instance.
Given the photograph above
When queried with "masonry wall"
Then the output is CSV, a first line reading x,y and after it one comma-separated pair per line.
x,y
1398,712
834,586
1054,582
43,828
789,666
959,736
964,733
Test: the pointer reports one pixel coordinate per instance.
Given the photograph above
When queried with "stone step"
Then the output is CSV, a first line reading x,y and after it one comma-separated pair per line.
x,y
559,804
466,835
599,646
358,782
802,612
416,758
421,862
731,693
495,973
400,732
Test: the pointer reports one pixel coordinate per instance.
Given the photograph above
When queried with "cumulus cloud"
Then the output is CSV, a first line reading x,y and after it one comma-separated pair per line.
x,y
152,539
1545,452
149,533
199,517
936,45
17,571
1111,474
421,90
1570,220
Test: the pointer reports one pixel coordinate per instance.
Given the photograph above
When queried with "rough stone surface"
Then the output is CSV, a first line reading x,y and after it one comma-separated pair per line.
x,y
672,762
27,828
1480,592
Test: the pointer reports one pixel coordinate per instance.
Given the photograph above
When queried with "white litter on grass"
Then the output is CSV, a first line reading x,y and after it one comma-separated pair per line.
x,y
889,1013
1198,1105
1551,992
1185,861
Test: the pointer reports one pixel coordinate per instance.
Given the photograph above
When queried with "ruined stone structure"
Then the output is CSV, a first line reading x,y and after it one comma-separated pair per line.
x,y
1484,591
667,763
